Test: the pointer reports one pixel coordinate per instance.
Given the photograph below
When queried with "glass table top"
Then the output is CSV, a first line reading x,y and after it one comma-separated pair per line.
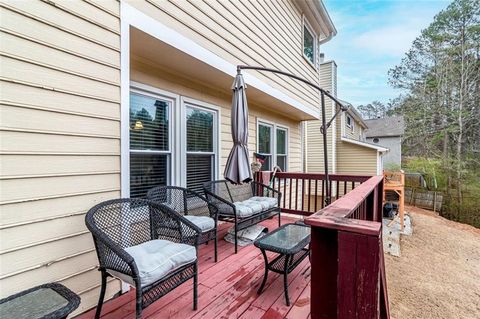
x,y
35,304
286,237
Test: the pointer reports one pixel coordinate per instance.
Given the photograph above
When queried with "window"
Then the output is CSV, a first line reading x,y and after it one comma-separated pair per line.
x,y
149,143
349,121
173,140
265,144
200,124
309,43
273,144
282,148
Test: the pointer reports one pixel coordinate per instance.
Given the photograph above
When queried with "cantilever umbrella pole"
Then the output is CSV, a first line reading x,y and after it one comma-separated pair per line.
x,y
325,125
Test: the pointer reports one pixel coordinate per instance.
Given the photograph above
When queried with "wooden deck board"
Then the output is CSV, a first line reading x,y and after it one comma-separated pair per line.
x,y
227,289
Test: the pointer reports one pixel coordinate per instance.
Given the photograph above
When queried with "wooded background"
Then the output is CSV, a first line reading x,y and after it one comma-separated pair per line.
x,y
440,78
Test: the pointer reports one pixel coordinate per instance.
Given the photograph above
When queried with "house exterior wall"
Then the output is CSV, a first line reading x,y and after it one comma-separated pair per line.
x,y
60,139
354,159
143,72
313,138
264,33
60,118
394,145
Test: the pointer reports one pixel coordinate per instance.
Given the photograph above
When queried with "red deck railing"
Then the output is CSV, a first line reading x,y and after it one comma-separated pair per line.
x,y
348,269
304,193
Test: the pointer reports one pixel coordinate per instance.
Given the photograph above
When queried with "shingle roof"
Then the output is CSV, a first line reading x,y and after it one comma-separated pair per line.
x,y
388,126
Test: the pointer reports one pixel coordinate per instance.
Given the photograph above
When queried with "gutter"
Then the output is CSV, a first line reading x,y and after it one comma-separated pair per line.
x,y
325,18
364,144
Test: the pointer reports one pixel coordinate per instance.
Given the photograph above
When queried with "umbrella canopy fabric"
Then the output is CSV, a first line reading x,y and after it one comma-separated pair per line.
x,y
237,169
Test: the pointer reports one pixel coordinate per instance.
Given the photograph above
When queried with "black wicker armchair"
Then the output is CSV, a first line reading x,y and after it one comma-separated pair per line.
x,y
193,207
243,205
134,238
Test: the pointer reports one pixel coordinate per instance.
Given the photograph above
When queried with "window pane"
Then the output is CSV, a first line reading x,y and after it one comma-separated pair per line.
x,y
267,164
282,162
199,171
148,123
199,130
264,139
281,141
308,46
147,171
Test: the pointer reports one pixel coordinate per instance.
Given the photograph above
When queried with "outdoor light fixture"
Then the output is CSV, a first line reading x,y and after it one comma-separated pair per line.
x,y
340,106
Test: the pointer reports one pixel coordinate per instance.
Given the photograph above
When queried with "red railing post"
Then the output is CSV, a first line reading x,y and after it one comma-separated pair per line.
x,y
348,269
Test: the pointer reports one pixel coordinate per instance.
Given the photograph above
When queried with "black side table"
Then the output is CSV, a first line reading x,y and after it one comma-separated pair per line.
x,y
289,242
49,301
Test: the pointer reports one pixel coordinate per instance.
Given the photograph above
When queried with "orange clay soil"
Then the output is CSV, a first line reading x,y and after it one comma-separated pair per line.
x,y
438,273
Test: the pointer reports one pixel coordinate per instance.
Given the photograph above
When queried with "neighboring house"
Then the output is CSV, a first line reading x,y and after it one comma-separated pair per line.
x,y
387,132
103,99
348,150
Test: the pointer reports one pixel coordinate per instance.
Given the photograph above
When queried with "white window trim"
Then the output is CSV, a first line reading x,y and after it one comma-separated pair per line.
x,y
177,135
306,24
352,123
172,167
216,134
273,138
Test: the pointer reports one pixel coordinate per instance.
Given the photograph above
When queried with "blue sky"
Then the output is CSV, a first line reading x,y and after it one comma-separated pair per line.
x,y
372,37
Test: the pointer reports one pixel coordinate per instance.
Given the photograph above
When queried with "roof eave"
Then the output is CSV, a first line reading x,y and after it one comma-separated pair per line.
x,y
364,144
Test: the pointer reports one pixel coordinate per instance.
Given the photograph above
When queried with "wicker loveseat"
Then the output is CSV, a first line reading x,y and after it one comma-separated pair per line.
x,y
145,244
243,205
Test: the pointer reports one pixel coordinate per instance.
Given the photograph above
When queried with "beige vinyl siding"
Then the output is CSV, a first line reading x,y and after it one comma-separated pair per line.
x,y
353,133
149,74
60,139
264,33
355,159
314,157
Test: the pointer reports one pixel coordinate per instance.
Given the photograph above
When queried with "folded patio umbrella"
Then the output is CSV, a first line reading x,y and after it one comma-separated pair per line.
x,y
237,168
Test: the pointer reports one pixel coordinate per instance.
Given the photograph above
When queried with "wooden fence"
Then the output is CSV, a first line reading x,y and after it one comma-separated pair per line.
x,y
423,198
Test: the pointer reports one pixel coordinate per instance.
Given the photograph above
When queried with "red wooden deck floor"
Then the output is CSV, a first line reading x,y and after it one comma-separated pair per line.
x,y
226,289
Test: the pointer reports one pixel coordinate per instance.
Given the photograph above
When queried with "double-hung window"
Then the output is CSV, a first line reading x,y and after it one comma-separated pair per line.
x,y
173,140
149,143
265,144
281,136
200,148
272,143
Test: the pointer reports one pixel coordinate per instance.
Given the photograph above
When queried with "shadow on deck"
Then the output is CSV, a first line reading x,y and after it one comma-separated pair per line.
x,y
226,289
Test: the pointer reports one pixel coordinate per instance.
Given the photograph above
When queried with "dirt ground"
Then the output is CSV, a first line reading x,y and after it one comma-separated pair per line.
x,y
438,273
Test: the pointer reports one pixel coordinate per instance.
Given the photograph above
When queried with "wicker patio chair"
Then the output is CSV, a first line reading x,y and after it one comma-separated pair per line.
x,y
193,207
243,205
134,238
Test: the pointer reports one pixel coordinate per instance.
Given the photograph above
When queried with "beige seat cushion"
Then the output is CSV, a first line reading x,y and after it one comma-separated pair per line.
x,y
205,223
157,258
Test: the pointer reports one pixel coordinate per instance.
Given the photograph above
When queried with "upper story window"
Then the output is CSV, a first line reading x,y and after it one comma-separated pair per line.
x,y
349,121
309,43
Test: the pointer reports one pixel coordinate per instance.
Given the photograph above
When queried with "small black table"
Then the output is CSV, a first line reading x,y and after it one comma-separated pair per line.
x,y
49,301
289,242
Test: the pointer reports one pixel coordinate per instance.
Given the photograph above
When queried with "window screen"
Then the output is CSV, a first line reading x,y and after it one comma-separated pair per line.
x,y
282,149
265,145
149,143
200,147
308,44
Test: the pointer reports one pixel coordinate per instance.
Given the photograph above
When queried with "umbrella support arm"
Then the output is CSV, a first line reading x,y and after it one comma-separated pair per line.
x,y
325,124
